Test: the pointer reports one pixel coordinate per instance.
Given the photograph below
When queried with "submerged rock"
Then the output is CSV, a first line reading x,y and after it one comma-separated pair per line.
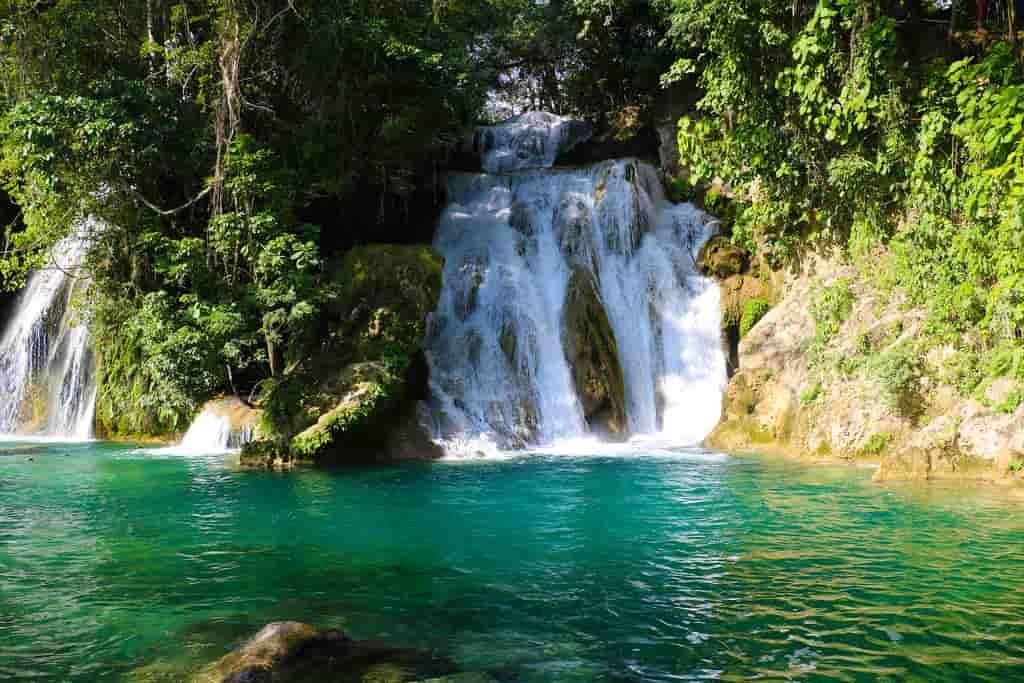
x,y
290,651
593,357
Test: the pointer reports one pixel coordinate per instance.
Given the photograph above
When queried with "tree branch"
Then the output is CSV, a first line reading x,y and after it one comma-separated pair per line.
x,y
171,212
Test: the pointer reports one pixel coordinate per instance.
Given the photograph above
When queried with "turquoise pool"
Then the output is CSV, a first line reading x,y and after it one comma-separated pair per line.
x,y
118,564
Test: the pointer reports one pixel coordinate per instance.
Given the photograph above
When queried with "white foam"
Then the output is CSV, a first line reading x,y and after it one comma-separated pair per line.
x,y
500,379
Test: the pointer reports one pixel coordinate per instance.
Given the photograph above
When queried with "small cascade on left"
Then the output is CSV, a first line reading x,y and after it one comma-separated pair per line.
x,y
47,368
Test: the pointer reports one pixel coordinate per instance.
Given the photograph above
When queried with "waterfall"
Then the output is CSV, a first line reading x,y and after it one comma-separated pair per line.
x,y
208,433
222,425
530,140
518,246
47,378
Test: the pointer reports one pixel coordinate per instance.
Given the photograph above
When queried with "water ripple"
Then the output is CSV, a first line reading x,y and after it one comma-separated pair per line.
x,y
536,569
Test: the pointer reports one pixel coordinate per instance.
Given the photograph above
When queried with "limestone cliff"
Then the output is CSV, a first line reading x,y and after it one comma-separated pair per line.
x,y
835,370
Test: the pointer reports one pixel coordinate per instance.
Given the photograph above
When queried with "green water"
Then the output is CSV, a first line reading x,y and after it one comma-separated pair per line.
x,y
534,569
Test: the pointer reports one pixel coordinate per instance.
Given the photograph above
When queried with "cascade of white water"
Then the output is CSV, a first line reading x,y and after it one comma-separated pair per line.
x,y
222,425
209,433
511,242
47,378
530,140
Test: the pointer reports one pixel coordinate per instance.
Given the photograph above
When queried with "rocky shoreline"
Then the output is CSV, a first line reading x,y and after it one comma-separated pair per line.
x,y
849,389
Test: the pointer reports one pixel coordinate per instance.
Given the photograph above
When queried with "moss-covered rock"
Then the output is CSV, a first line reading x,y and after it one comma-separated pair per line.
x,y
593,356
386,293
720,258
354,400
372,417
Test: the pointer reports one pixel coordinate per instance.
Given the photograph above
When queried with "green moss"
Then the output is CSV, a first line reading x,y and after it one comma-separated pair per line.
x,y
811,395
877,443
753,311
831,305
356,422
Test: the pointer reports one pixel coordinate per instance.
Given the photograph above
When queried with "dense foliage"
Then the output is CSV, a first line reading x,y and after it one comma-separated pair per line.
x,y
892,130
222,156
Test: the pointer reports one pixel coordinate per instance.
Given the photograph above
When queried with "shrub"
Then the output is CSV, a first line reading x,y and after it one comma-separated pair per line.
x,y
877,443
753,311
897,372
811,395
1011,402
830,307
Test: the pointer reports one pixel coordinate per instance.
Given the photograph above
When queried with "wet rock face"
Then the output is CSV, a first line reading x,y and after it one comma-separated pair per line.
x,y
720,258
289,651
593,357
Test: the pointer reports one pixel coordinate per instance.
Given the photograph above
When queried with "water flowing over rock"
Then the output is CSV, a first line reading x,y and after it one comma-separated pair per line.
x,y
531,140
505,349
47,373
222,425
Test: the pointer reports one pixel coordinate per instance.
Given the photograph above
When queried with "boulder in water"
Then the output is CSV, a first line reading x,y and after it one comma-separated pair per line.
x,y
593,356
358,395
371,421
292,651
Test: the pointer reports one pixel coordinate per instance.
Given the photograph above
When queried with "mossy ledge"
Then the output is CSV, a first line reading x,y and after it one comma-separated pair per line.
x,y
354,400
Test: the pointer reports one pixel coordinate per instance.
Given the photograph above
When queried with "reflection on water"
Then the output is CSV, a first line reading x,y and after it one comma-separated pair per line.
x,y
540,568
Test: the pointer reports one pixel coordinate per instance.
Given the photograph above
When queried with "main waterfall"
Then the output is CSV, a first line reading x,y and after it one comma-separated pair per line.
x,y
47,379
572,303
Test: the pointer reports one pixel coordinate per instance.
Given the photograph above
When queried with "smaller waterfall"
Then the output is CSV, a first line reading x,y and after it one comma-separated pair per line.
x,y
47,378
209,433
530,140
223,425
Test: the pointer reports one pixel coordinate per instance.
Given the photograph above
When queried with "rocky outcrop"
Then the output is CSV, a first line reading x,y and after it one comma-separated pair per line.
x,y
355,400
627,133
721,259
850,383
672,104
593,357
288,651
743,281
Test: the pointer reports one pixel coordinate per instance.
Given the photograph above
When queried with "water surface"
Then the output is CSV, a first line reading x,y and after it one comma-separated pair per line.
x,y
540,568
